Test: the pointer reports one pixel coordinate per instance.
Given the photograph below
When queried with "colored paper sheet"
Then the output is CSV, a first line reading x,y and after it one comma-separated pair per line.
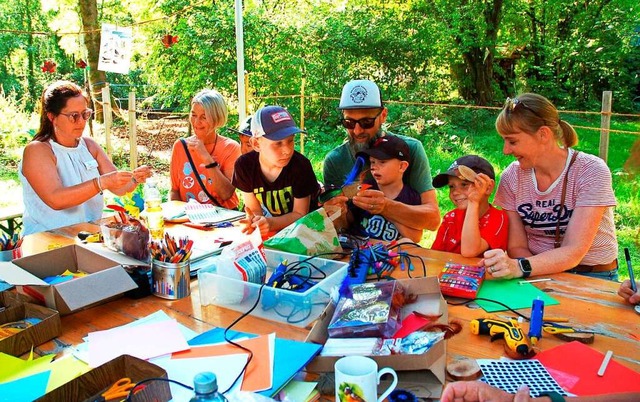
x,y
259,374
142,341
13,368
575,367
511,293
226,369
64,370
411,323
297,391
289,356
25,389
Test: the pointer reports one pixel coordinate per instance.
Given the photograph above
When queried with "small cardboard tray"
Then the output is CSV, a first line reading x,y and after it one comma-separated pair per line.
x,y
107,278
21,342
89,385
426,370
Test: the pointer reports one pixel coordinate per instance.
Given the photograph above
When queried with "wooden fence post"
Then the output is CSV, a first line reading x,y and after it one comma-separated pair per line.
x,y
302,115
106,110
605,125
133,135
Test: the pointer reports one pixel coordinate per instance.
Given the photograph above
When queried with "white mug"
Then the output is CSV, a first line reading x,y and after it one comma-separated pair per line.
x,y
357,379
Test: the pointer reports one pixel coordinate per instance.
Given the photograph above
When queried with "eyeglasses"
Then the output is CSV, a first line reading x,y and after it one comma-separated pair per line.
x,y
365,122
75,116
512,104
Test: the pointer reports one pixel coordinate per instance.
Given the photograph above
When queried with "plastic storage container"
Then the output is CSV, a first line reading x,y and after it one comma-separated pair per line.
x,y
295,308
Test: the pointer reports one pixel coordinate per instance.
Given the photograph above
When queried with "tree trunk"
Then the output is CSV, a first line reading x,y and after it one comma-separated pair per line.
x,y
31,78
97,79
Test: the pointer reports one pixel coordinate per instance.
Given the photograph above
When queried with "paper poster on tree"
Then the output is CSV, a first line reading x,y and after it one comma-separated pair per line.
x,y
115,49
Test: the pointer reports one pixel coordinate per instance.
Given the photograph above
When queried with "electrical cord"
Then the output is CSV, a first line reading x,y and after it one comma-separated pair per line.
x,y
492,301
146,380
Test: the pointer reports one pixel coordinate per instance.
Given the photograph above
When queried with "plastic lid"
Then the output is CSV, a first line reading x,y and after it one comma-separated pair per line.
x,y
205,383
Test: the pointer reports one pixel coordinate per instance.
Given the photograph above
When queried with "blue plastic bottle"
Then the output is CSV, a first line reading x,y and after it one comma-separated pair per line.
x,y
205,385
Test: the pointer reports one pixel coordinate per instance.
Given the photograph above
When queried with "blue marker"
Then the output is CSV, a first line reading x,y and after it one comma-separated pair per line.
x,y
535,325
627,257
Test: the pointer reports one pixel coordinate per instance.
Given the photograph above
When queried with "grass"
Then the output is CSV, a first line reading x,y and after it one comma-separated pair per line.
x,y
446,135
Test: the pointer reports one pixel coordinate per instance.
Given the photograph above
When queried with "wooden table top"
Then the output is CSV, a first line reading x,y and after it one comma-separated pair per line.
x,y
587,302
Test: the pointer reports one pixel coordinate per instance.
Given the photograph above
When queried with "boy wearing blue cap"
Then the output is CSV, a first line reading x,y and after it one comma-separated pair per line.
x,y
277,182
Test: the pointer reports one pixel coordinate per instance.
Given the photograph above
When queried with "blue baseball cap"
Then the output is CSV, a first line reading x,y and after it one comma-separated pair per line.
x,y
274,123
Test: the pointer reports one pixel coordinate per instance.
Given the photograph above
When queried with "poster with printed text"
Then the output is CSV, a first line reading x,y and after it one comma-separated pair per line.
x,y
116,44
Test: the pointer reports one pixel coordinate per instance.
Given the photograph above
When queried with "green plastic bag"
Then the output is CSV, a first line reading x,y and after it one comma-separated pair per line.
x,y
310,235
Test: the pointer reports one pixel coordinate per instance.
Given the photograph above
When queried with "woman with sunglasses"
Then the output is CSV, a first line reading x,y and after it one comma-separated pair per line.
x,y
63,174
559,201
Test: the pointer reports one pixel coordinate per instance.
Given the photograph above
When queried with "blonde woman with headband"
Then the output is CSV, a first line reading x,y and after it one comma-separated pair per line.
x,y
559,201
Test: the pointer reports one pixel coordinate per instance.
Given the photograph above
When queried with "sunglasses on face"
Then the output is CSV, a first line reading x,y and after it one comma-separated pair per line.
x,y
75,116
365,122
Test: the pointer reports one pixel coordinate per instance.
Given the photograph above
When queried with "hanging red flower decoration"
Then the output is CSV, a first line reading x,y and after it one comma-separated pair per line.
x,y
81,64
49,66
169,40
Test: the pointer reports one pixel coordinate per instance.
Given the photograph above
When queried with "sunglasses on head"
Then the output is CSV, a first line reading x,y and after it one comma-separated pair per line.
x,y
511,105
365,122
75,116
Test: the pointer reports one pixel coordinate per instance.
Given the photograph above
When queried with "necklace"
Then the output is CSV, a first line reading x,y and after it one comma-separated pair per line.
x,y
215,142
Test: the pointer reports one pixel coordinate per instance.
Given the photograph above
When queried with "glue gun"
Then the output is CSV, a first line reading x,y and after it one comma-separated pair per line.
x,y
515,339
276,278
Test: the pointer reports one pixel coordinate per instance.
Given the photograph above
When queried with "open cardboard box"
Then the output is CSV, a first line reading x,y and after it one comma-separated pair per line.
x,y
10,302
21,342
91,384
107,278
424,373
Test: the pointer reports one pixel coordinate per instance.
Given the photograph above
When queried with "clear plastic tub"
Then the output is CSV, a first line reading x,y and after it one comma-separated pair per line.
x,y
277,304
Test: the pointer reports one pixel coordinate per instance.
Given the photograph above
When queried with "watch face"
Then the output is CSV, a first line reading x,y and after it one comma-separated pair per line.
x,y
525,266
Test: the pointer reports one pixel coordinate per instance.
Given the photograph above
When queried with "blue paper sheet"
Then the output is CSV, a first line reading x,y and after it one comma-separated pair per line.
x,y
289,356
25,389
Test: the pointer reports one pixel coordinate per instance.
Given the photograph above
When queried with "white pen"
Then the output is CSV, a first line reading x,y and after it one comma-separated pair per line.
x,y
535,280
605,363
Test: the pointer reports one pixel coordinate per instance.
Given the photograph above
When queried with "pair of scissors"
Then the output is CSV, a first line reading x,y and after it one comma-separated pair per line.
x,y
553,328
118,391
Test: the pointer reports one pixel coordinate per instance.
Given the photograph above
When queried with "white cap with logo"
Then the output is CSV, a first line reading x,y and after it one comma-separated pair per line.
x,y
360,94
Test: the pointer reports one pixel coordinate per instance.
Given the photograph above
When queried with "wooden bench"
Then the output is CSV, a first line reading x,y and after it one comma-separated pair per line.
x,y
11,220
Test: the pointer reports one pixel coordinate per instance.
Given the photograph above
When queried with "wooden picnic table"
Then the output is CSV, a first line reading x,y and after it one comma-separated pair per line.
x,y
587,302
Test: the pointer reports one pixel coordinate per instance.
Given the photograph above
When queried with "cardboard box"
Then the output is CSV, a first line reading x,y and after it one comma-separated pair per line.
x,y
107,278
425,371
91,384
9,303
21,342
295,308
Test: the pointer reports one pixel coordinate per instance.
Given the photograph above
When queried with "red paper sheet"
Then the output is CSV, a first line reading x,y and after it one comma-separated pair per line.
x,y
575,367
410,324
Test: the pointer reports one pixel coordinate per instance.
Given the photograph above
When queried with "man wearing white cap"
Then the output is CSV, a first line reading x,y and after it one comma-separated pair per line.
x,y
363,114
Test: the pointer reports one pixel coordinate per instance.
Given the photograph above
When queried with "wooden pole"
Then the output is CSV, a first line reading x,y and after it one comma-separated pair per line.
x,y
302,115
133,135
106,110
605,124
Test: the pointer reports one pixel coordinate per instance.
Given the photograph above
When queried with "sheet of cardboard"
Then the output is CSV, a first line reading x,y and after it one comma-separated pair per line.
x,y
511,293
578,374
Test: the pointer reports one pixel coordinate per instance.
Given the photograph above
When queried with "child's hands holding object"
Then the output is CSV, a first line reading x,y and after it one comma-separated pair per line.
x,y
252,221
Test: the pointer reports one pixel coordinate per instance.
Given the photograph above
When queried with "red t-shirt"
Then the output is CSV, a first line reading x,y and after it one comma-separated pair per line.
x,y
183,179
494,229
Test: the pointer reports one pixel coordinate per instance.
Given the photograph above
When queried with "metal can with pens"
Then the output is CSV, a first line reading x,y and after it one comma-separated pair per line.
x,y
171,280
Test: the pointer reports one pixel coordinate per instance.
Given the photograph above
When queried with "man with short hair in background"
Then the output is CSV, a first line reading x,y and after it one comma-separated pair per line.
x,y
363,114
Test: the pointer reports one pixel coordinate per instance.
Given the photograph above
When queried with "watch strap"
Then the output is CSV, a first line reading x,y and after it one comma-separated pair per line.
x,y
212,165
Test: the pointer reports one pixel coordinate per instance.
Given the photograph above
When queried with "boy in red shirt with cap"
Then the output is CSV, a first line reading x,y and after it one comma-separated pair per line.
x,y
475,225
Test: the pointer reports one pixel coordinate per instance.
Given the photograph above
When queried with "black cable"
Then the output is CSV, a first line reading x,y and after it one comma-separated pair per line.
x,y
146,380
492,301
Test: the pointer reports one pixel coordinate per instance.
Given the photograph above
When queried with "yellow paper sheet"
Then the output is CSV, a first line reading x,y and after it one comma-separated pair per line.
x,y
13,368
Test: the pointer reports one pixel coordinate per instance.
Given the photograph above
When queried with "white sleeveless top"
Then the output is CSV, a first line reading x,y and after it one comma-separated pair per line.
x,y
75,166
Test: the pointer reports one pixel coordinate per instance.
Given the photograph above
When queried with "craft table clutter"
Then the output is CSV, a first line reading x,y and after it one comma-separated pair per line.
x,y
585,302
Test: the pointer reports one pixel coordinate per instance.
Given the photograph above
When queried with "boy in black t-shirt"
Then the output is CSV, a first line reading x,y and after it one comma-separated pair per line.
x,y
277,182
389,160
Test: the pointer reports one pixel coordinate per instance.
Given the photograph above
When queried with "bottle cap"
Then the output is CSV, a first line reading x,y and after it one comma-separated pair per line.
x,y
205,383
